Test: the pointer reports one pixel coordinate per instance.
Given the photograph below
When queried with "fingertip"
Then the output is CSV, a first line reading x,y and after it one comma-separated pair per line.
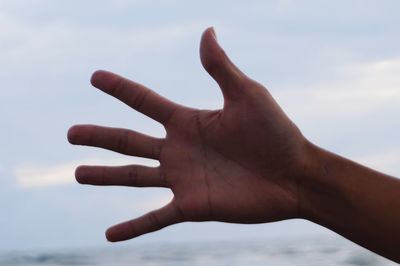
x,y
209,50
80,174
72,135
112,234
105,80
213,32
210,31
217,63
208,40
109,236
97,77
77,134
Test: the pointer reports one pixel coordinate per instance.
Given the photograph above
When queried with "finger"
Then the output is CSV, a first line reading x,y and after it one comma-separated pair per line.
x,y
116,139
220,67
150,222
129,175
135,95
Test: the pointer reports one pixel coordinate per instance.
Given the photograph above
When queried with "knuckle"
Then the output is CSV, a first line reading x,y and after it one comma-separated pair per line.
x,y
91,135
179,212
140,99
119,86
132,227
123,142
169,117
215,64
156,150
164,182
103,176
154,220
133,175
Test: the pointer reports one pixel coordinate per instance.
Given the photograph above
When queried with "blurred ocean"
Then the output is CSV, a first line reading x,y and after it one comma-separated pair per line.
x,y
327,252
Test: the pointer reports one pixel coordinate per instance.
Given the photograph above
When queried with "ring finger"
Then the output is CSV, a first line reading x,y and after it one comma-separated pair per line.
x,y
129,175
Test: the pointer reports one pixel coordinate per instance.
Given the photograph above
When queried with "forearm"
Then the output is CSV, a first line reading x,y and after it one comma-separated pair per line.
x,y
357,202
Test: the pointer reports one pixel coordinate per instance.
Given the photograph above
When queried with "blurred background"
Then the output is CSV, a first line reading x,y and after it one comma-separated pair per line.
x,y
334,66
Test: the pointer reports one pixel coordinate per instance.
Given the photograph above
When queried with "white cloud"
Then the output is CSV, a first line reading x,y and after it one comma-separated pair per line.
x,y
363,88
64,43
33,175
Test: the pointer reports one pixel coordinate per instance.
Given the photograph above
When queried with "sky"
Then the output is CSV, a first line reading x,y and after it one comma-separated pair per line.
x,y
333,66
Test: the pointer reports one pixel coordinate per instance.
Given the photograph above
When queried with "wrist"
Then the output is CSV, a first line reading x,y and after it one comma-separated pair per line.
x,y
319,186
351,200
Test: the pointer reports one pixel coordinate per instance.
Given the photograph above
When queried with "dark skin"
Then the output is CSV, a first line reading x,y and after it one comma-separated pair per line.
x,y
245,163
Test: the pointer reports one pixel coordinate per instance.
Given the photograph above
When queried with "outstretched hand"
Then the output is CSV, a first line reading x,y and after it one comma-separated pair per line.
x,y
240,164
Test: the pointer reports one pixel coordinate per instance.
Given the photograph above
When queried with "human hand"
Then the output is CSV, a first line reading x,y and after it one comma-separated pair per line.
x,y
240,164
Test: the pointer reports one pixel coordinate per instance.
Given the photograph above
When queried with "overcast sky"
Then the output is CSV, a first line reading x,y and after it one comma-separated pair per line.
x,y
334,66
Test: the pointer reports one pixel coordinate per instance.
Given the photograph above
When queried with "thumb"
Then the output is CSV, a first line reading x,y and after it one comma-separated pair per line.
x,y
218,65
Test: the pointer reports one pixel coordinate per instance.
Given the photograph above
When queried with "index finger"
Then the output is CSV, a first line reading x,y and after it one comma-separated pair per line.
x,y
135,95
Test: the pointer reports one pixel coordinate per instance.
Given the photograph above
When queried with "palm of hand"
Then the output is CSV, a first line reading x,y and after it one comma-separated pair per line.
x,y
233,165
217,171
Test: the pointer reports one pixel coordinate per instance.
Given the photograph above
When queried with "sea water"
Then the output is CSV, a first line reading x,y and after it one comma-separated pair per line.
x,y
278,252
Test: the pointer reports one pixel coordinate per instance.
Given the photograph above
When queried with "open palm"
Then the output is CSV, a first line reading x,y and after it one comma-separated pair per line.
x,y
238,164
